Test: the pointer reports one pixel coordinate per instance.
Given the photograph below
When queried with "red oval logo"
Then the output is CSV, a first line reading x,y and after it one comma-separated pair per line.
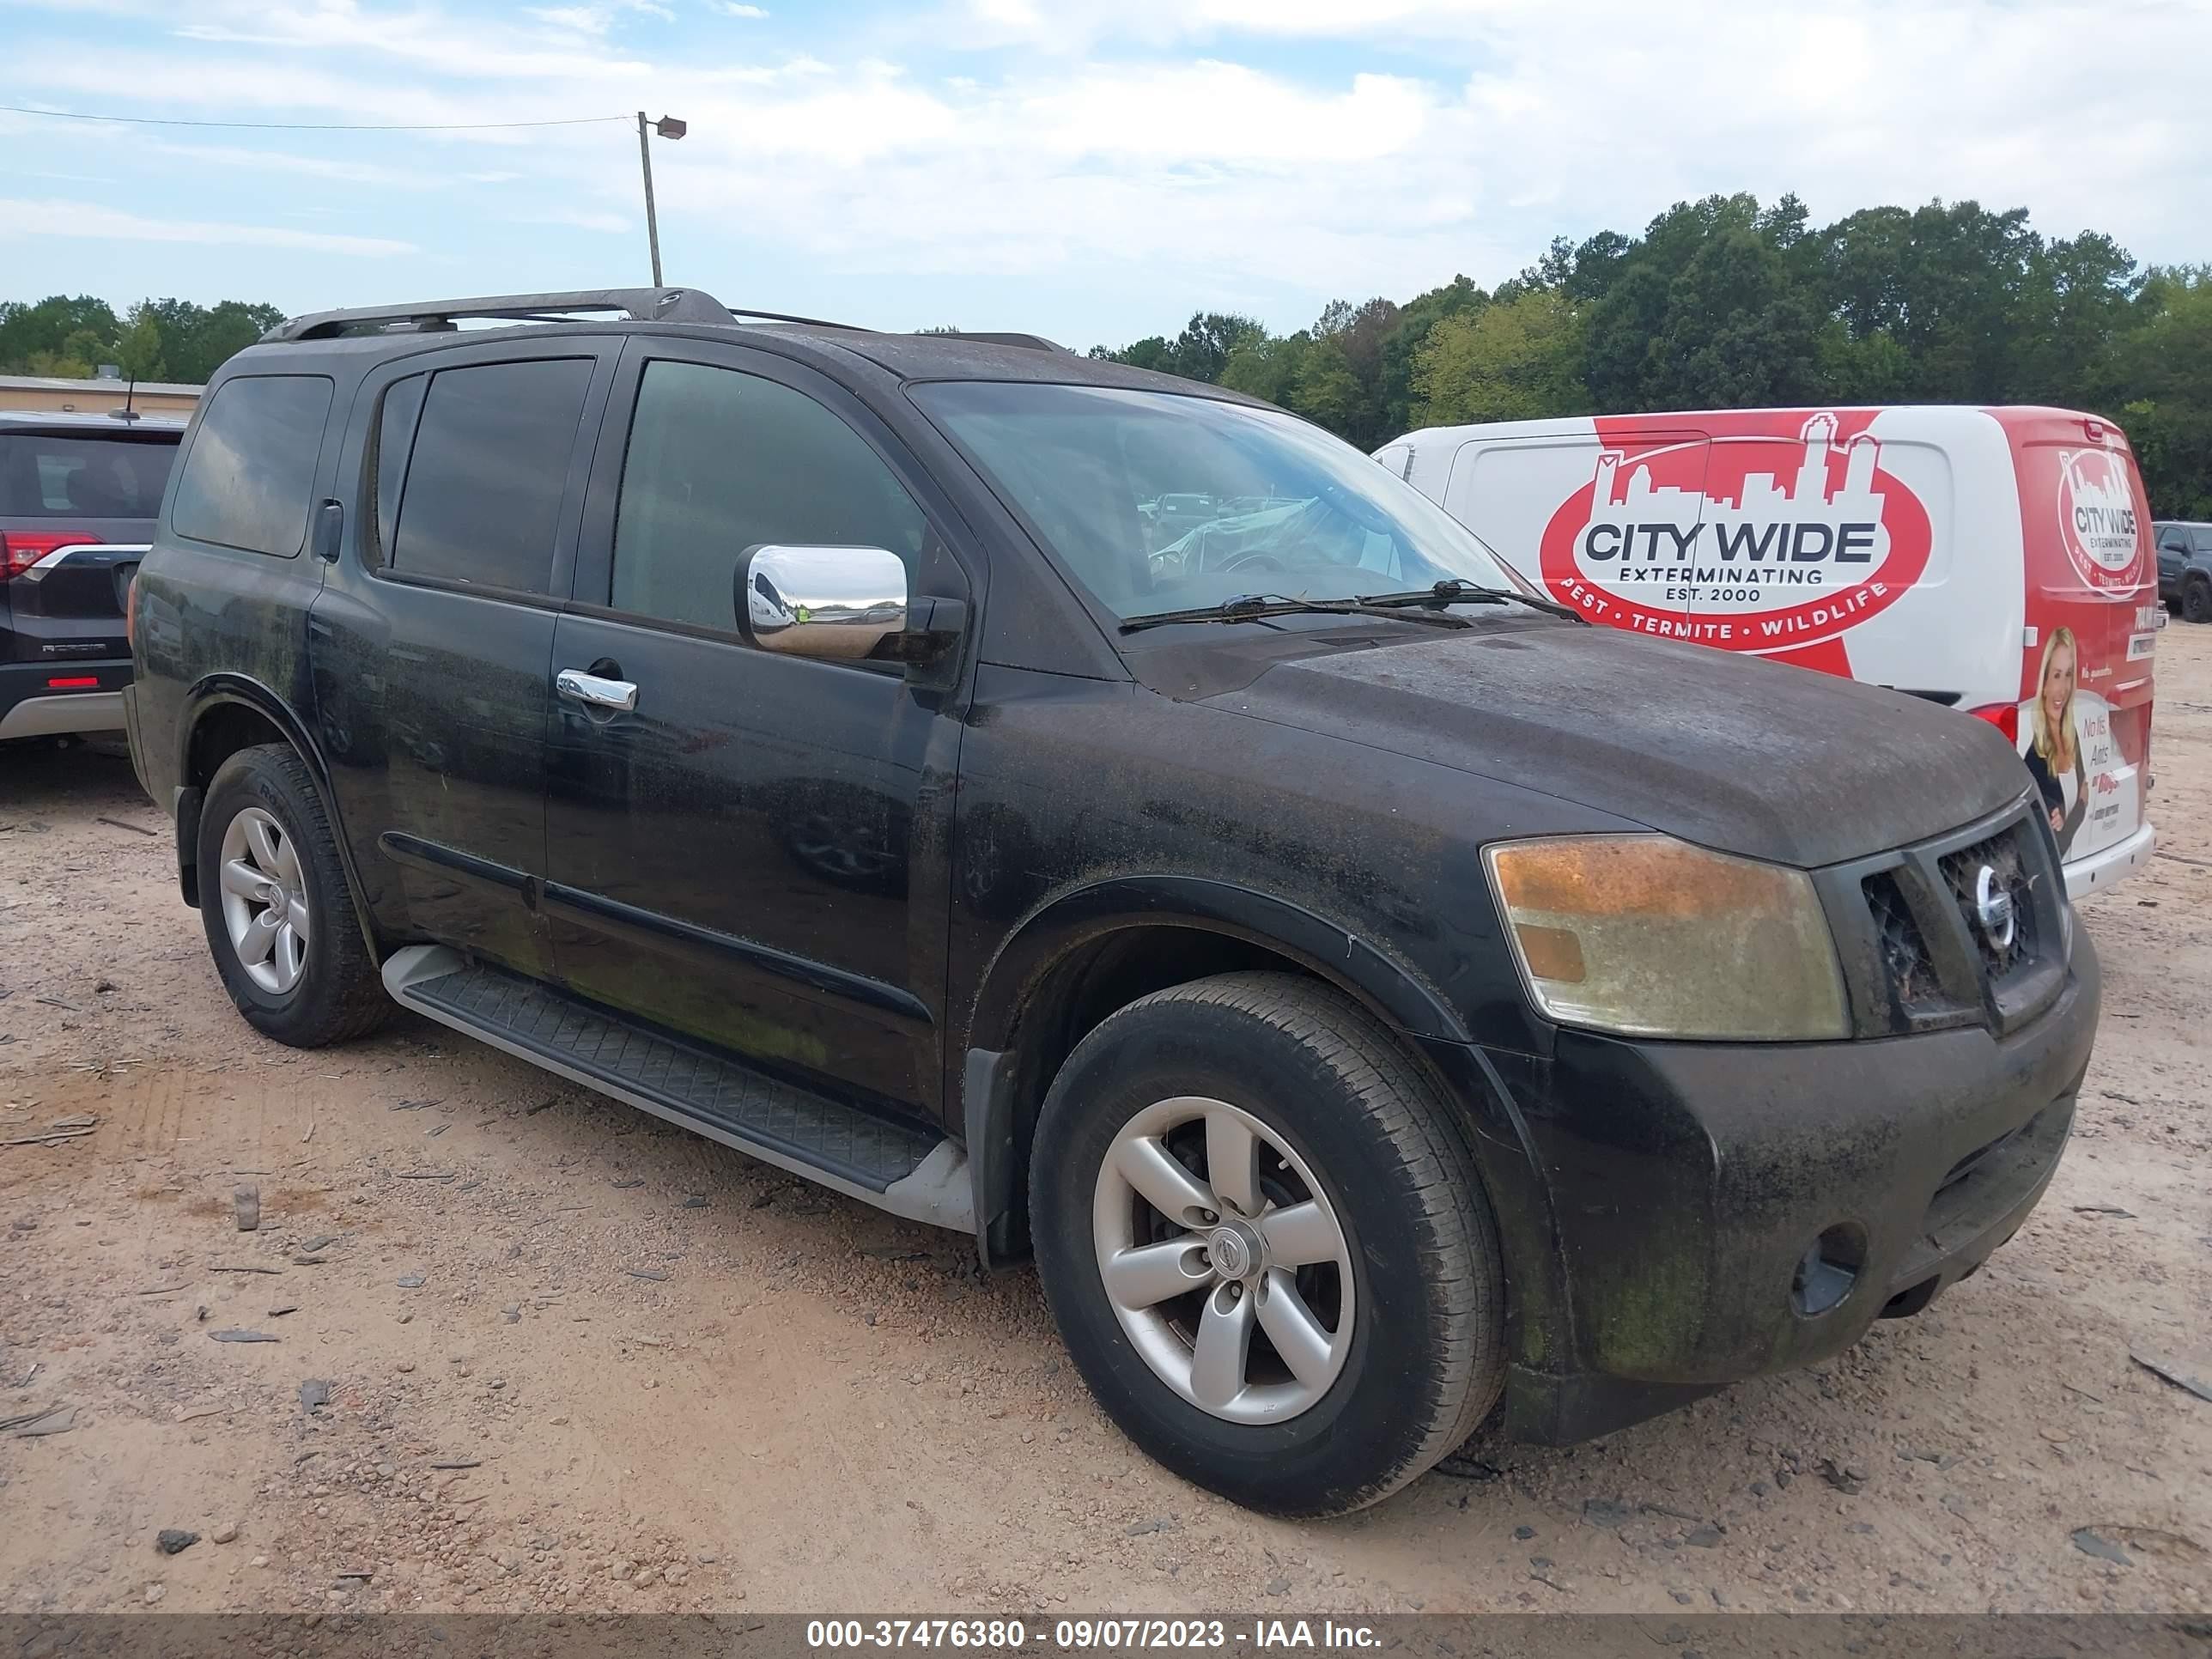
x,y
2096,519
1749,539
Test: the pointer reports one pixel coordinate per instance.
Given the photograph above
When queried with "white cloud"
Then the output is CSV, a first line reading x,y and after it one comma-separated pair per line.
x,y
58,218
579,218
1261,153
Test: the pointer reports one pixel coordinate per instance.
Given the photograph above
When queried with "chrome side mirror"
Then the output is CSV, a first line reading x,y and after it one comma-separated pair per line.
x,y
839,603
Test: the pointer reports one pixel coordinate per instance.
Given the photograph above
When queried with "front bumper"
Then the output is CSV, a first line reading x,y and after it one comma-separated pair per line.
x,y
1686,1183
44,700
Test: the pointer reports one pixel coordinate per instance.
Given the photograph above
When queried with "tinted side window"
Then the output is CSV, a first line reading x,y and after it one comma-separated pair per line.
x,y
395,435
481,499
251,475
719,461
2204,534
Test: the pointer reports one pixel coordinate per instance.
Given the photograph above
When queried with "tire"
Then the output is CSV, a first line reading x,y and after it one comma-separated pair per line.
x,y
309,992
1411,1307
2197,601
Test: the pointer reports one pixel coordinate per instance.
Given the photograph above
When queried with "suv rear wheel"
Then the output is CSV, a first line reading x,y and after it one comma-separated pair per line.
x,y
1265,1244
274,901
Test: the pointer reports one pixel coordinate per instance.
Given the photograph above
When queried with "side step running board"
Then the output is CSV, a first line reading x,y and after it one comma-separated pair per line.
x,y
907,1169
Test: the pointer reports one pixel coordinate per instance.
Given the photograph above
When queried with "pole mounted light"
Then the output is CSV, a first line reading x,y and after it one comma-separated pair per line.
x,y
668,127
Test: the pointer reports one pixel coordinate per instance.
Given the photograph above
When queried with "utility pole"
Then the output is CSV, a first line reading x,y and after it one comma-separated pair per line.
x,y
652,224
668,127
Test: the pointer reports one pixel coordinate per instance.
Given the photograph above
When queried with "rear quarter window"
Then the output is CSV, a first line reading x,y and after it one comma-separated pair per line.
x,y
61,475
250,476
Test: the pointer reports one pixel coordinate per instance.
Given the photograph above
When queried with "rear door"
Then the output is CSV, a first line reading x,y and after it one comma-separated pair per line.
x,y
77,505
2092,623
432,647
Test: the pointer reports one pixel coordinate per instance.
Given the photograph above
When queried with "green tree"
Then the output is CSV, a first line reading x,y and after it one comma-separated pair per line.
x,y
1267,368
1394,392
60,330
1151,352
1515,359
1202,351
1327,390
2158,380
138,353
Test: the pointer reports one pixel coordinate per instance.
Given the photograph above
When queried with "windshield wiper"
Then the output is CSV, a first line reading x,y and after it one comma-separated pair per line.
x,y
1258,607
1452,591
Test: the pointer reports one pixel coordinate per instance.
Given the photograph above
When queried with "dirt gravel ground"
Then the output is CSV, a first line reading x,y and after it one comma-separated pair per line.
x,y
527,1349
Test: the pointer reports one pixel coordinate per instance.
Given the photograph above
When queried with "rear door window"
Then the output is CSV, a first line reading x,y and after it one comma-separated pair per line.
x,y
486,475
250,476
2204,534
55,475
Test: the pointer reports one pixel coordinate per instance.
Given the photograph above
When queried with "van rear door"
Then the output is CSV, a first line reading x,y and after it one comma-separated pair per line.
x,y
2093,585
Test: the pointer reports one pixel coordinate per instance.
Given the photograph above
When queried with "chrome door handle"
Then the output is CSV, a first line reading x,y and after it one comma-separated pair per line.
x,y
618,694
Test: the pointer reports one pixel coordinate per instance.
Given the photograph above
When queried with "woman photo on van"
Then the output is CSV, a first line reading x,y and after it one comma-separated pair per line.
x,y
2052,746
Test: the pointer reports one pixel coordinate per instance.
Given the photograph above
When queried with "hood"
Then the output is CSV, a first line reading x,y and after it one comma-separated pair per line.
x,y
1731,752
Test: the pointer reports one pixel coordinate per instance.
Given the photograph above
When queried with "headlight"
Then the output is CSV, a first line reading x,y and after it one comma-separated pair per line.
x,y
1651,937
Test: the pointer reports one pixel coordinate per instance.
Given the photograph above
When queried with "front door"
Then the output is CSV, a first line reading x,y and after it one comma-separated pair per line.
x,y
733,857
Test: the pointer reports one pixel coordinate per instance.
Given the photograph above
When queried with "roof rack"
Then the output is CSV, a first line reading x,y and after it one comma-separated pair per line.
x,y
637,305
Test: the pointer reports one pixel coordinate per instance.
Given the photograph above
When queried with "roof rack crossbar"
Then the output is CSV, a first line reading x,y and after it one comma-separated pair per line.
x,y
639,305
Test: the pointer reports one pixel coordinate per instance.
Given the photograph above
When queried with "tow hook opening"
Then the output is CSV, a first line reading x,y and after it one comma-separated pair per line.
x,y
1828,1270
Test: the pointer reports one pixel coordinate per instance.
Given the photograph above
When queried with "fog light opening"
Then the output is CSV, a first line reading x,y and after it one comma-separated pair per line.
x,y
1827,1271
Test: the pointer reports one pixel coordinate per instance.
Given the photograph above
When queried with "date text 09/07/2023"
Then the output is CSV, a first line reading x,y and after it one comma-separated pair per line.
x,y
1079,1635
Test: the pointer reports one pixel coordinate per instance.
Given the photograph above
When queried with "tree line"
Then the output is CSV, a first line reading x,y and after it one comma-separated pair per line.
x,y
69,338
1725,303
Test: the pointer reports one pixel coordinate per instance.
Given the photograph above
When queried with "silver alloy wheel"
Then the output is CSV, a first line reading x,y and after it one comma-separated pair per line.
x,y
264,900
1246,1249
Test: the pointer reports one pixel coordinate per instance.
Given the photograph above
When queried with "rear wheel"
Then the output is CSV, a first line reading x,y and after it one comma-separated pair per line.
x,y
2197,601
1265,1244
276,907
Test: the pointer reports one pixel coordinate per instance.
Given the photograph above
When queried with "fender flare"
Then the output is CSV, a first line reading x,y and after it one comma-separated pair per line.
x,y
212,691
1071,919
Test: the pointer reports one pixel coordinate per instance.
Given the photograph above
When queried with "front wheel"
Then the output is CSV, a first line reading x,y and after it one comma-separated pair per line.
x,y
2197,601
1266,1246
274,901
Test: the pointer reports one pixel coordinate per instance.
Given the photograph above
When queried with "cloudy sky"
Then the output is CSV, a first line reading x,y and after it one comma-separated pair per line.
x,y
1091,169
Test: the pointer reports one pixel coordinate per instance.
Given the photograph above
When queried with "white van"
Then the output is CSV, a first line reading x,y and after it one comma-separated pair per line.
x,y
1998,560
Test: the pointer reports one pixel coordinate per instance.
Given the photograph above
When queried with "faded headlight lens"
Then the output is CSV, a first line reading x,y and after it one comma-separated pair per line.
x,y
1651,937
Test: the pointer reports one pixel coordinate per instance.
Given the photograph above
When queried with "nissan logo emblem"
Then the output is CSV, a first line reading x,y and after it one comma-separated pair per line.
x,y
1993,909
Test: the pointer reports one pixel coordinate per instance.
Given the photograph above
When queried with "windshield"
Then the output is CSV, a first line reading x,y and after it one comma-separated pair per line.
x,y
1155,501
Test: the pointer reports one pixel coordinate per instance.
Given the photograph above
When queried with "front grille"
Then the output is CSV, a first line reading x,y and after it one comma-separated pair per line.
x,y
1908,969
1920,954
2001,853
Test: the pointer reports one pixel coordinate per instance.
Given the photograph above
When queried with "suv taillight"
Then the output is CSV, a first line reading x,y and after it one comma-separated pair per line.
x,y
21,548
2005,716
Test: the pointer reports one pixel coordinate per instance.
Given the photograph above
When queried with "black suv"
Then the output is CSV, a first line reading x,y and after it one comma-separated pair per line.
x,y
78,497
1377,998
2185,568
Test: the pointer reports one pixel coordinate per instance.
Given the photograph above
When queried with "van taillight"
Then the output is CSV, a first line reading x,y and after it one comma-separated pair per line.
x,y
2005,716
21,548
131,612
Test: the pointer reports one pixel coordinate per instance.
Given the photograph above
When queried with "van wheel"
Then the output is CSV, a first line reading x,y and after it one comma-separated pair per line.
x,y
2197,601
1266,1246
274,901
